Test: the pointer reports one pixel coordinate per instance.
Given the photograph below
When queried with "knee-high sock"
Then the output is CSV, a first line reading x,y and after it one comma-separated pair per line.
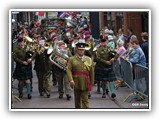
x,y
111,87
20,87
28,88
104,87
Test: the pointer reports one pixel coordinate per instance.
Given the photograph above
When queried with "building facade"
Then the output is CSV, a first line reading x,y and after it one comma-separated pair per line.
x,y
138,21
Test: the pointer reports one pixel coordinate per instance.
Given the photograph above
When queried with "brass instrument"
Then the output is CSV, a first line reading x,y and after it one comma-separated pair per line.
x,y
59,57
96,47
74,43
46,45
88,47
29,44
42,46
29,47
40,49
27,38
50,49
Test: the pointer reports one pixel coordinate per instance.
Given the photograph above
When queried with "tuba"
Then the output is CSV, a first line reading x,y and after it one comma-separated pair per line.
x,y
28,43
59,57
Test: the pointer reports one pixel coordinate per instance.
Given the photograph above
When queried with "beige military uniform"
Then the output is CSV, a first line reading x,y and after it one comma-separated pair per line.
x,y
82,72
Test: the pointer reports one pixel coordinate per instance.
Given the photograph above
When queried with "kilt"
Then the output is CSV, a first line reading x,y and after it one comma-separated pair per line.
x,y
23,72
104,73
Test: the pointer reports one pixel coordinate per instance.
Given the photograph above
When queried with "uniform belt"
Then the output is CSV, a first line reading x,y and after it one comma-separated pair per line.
x,y
87,78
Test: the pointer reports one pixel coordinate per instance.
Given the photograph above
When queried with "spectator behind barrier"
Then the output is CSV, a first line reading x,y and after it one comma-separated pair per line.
x,y
120,48
137,55
144,45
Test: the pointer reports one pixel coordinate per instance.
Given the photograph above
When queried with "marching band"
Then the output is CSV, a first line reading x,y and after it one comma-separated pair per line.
x,y
56,52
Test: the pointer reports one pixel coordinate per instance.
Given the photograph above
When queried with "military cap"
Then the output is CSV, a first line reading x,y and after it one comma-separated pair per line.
x,y
81,44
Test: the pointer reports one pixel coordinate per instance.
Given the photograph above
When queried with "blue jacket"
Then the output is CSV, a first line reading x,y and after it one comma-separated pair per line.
x,y
138,57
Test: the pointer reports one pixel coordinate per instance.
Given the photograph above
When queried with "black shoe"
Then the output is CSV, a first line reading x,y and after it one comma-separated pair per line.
x,y
54,83
107,91
60,96
31,89
20,95
41,94
68,97
104,95
89,95
48,95
113,95
29,96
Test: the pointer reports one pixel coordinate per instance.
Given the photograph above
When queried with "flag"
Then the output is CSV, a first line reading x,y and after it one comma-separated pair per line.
x,y
61,14
39,13
66,14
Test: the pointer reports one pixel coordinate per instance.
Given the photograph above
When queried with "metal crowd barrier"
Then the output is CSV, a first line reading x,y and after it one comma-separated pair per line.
x,y
118,73
128,78
140,85
141,80
126,68
117,70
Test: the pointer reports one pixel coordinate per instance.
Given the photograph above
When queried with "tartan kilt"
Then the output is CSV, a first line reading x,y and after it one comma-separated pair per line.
x,y
23,72
104,73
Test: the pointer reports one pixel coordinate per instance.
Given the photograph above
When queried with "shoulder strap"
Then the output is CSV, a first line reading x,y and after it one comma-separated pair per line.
x,y
87,62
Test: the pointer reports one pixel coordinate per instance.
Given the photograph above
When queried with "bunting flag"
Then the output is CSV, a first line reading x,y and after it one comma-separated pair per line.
x,y
62,14
39,13
66,14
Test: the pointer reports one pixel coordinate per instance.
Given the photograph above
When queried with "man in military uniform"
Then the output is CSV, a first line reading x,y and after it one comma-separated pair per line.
x,y
80,74
105,57
60,74
43,71
23,70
